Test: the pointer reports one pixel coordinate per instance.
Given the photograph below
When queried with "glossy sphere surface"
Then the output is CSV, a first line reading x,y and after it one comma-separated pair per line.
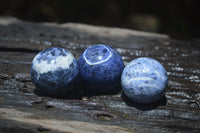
x,y
53,70
144,80
101,67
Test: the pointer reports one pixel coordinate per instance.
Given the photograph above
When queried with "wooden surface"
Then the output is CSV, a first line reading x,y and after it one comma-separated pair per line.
x,y
21,110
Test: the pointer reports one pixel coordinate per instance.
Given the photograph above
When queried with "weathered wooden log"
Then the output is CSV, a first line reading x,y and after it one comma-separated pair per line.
x,y
21,110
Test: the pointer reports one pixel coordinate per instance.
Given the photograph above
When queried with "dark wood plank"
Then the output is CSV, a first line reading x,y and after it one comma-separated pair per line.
x,y
178,111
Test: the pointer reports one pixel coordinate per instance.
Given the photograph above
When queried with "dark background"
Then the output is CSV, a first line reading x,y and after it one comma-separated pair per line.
x,y
178,18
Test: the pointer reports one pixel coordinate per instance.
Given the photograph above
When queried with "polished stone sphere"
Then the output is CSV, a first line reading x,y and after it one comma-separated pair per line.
x,y
144,80
53,71
100,67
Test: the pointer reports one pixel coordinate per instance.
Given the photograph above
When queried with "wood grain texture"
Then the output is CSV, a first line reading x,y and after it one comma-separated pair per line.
x,y
22,110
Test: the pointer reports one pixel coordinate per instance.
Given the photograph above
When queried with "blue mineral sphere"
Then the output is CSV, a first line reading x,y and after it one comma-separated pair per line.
x,y
100,67
144,80
53,71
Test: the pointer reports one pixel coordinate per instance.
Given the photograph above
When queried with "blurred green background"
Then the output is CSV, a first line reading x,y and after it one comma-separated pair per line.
x,y
178,18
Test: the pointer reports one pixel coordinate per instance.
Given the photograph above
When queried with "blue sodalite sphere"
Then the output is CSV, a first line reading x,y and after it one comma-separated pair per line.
x,y
144,80
53,71
100,67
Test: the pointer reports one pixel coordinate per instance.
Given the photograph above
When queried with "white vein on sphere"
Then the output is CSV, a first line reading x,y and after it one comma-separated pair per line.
x,y
61,62
99,62
140,79
147,70
137,79
149,85
159,75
